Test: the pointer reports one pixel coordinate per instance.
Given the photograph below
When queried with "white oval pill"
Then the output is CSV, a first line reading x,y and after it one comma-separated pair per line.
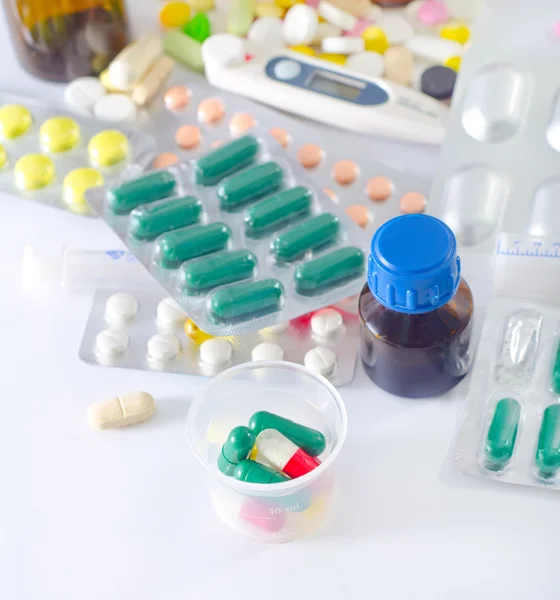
x,y
121,411
366,63
82,93
121,308
170,314
267,351
336,16
268,31
342,45
300,25
111,342
397,29
117,108
215,352
163,346
320,360
434,49
327,323
275,329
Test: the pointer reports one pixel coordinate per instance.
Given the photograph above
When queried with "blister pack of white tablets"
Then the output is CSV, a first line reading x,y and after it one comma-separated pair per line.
x,y
52,156
140,329
500,161
240,236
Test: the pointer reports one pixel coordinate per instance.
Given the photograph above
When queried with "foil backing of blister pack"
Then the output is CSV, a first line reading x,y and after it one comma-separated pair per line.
x,y
296,341
500,162
516,361
142,147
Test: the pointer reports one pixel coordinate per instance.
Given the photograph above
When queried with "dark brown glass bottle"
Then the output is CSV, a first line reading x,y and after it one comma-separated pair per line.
x,y
415,309
60,40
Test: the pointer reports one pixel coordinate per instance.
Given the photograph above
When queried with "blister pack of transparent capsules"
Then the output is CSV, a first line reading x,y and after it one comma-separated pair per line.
x,y
53,156
510,430
499,168
141,329
240,237
189,115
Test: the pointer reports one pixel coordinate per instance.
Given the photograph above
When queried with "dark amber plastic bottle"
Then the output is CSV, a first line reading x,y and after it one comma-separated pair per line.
x,y
60,40
415,309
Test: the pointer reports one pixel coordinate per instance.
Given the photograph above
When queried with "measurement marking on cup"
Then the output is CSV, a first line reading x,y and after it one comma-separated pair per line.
x,y
534,249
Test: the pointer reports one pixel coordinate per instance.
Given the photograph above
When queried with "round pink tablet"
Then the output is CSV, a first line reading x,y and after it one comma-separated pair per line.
x,y
345,172
188,137
211,110
331,194
433,12
413,203
241,122
164,160
379,188
216,144
310,155
177,97
359,214
280,135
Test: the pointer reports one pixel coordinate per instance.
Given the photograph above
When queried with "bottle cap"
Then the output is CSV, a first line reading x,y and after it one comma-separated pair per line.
x,y
413,266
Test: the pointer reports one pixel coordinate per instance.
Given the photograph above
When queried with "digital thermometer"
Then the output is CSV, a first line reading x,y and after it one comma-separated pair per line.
x,y
303,85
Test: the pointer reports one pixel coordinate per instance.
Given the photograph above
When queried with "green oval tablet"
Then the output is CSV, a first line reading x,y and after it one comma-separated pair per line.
x,y
502,433
218,269
250,185
247,299
277,210
331,269
149,188
548,445
150,220
253,472
176,247
310,234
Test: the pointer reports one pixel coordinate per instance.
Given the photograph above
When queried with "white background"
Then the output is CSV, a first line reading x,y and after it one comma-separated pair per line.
x,y
125,515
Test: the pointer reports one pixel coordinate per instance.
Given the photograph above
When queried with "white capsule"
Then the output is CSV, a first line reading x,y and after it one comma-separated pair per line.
x,y
342,45
163,347
320,360
433,49
275,447
145,91
132,63
300,25
267,351
336,16
327,323
121,411
121,308
111,342
169,314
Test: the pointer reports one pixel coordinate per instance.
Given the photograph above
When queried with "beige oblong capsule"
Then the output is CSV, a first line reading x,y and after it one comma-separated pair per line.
x,y
121,411
144,91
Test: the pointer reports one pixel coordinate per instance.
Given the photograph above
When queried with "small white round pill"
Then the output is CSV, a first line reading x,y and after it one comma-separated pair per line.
x,y
267,351
366,63
111,342
121,308
275,329
327,323
268,31
170,314
117,108
320,360
163,346
82,93
215,352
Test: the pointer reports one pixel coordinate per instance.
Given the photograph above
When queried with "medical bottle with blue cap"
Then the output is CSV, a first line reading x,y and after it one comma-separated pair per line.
x,y
415,309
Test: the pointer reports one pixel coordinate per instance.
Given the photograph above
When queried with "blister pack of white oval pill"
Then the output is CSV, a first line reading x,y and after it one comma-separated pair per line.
x,y
51,155
500,161
141,329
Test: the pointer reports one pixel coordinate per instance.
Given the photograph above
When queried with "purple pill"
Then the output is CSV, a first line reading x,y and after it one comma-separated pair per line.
x,y
438,81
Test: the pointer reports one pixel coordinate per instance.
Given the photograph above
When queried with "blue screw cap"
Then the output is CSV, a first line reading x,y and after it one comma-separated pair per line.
x,y
413,267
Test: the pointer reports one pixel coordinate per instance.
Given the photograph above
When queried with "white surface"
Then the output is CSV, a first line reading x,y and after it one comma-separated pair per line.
x,y
124,515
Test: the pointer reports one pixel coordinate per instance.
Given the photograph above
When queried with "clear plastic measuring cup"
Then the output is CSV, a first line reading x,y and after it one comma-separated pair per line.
x,y
277,512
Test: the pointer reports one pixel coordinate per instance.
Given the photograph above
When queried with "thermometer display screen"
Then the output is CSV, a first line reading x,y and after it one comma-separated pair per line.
x,y
320,82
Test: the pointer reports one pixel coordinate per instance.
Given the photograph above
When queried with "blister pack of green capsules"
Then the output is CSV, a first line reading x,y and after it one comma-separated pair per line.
x,y
510,430
240,236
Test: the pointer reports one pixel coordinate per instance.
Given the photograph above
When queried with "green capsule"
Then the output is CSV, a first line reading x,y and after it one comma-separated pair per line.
x,y
217,269
253,472
502,433
240,441
311,234
176,247
245,299
548,446
226,160
250,185
150,220
332,269
310,440
149,188
278,210
556,372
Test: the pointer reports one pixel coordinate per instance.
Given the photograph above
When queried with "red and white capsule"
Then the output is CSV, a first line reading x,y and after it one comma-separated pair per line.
x,y
284,454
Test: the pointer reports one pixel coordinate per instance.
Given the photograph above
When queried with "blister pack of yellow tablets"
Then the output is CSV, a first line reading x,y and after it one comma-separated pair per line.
x,y
52,156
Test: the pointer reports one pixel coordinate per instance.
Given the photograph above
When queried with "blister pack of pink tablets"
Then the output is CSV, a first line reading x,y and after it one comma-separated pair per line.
x,y
53,156
147,330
